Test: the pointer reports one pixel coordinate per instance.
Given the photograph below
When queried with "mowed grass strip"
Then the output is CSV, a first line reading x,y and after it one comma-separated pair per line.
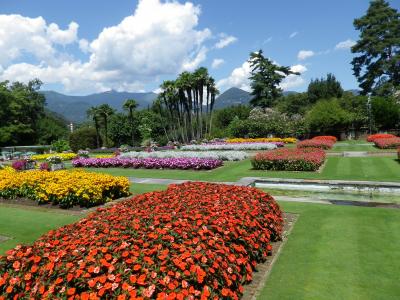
x,y
337,252
339,168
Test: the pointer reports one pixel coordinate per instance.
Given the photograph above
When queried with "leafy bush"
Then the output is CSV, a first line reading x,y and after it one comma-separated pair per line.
x,y
83,138
60,145
192,241
284,159
387,143
322,144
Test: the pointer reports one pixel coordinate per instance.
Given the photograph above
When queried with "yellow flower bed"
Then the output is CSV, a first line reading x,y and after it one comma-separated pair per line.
x,y
64,156
104,155
65,188
262,140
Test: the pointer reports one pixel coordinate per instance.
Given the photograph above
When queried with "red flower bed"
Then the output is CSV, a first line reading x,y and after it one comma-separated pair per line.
x,y
192,241
286,159
389,143
322,144
373,137
325,138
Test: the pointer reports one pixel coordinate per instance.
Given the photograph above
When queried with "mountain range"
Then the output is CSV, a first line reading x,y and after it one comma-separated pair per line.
x,y
73,108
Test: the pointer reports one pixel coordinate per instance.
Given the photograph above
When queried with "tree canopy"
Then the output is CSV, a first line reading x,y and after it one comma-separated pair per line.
x,y
377,67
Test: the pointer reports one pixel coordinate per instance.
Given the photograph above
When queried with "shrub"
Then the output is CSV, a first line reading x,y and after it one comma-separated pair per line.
x,y
60,145
387,143
322,144
325,138
83,138
192,241
65,188
149,163
373,137
300,159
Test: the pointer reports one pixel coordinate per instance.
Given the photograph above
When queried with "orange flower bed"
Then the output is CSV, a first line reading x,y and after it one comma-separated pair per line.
x,y
374,137
192,241
325,138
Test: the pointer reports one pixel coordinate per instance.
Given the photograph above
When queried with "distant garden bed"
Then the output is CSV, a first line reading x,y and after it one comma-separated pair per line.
x,y
298,159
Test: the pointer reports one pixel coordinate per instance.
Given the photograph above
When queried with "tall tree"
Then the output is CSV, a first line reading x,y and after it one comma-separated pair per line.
x,y
377,68
130,105
265,79
324,89
94,114
105,111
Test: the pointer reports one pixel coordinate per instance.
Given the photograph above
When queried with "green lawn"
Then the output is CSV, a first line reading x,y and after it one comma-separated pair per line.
x,y
337,252
25,225
345,168
358,145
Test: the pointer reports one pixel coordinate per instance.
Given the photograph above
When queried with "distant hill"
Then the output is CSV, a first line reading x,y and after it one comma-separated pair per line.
x,y
73,108
236,96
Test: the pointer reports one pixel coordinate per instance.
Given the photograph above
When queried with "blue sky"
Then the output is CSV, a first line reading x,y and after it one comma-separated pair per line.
x,y
151,40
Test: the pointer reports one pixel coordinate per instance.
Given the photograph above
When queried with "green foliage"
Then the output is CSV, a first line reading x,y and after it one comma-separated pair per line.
x,y
21,108
377,67
105,111
264,123
223,117
293,104
324,89
120,129
327,117
386,113
51,128
60,145
265,79
356,106
83,138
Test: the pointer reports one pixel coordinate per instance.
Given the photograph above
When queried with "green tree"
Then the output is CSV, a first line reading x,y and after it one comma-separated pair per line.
x,y
386,113
51,127
265,79
293,104
324,89
105,111
130,105
22,106
83,138
94,114
120,129
327,117
377,68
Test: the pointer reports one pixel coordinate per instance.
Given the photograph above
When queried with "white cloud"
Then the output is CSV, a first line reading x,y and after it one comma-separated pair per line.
x,y
225,41
84,45
304,54
267,40
238,78
160,38
293,34
347,44
217,62
63,37
298,68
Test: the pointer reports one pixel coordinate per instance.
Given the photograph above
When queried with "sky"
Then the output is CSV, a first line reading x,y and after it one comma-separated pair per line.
x,y
82,47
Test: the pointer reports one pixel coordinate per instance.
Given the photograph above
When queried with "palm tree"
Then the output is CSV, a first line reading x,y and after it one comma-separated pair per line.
x,y
130,105
105,111
93,113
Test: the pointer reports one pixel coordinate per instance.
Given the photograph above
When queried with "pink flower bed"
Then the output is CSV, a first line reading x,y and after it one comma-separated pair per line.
x,y
387,143
321,144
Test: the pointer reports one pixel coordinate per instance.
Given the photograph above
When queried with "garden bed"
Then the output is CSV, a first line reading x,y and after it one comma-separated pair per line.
x,y
149,163
63,188
192,240
230,146
299,159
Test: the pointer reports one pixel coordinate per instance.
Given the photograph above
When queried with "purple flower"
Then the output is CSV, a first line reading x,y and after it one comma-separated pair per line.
x,y
149,163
